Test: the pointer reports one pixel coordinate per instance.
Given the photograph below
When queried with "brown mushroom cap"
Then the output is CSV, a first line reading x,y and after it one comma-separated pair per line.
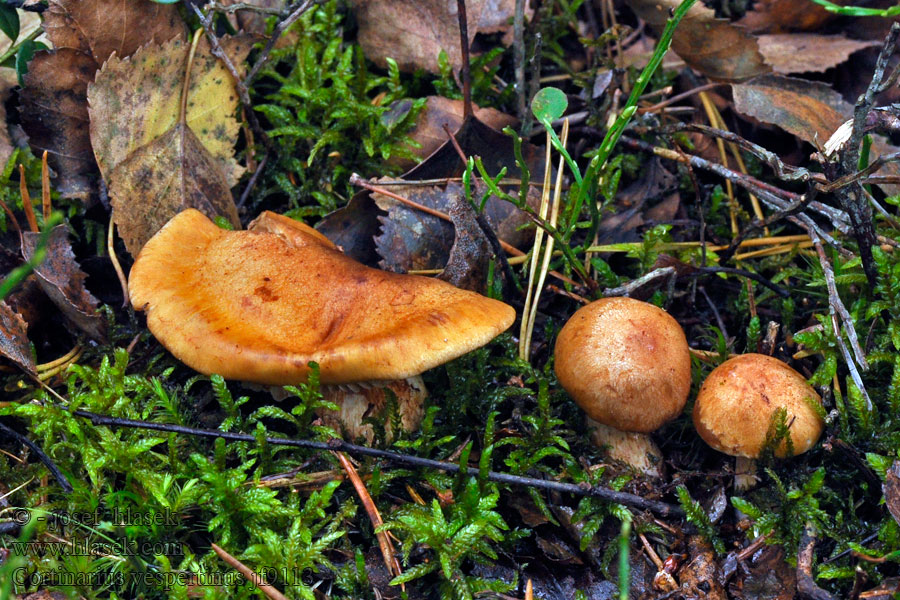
x,y
625,362
258,305
736,402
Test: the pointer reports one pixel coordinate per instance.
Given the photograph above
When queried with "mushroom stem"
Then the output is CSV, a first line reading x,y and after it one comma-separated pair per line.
x,y
745,476
636,450
361,401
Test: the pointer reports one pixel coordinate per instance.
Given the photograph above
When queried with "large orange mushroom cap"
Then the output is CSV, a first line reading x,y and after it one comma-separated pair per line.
x,y
259,305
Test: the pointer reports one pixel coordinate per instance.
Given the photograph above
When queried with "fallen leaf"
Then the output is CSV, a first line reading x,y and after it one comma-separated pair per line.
x,y
775,16
808,52
63,281
413,33
55,117
170,174
810,110
715,47
410,239
136,100
14,343
100,27
84,34
891,490
352,228
429,130
769,577
471,255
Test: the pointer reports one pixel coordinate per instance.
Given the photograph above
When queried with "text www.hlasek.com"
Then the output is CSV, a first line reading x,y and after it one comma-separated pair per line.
x,y
156,579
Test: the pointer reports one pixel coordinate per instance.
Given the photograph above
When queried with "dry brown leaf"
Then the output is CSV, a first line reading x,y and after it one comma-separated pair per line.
x,y
55,117
808,52
808,109
84,33
715,47
413,32
429,129
891,490
135,100
14,343
62,279
100,27
471,255
773,16
172,173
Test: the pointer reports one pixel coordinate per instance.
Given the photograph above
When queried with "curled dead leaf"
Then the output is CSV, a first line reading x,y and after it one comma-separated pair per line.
x,y
14,343
808,52
413,33
715,47
62,279
84,33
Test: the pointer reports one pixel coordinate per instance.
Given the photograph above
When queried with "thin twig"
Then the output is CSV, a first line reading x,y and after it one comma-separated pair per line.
x,y
635,284
254,578
240,85
836,307
806,585
245,195
294,12
51,466
660,508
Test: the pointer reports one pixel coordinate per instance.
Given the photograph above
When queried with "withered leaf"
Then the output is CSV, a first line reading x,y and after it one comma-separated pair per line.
x,y
84,33
471,254
55,117
101,27
715,47
808,52
891,490
412,239
807,109
14,343
429,129
353,228
768,578
810,110
170,174
783,15
63,281
136,100
413,32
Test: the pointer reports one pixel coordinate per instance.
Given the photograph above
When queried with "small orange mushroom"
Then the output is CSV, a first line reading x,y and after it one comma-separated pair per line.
x,y
259,305
626,363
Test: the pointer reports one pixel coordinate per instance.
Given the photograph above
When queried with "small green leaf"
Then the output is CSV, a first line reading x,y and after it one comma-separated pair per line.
x,y
9,21
549,104
24,56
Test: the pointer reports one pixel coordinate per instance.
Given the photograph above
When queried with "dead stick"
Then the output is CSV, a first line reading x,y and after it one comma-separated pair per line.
x,y
660,508
254,578
384,542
